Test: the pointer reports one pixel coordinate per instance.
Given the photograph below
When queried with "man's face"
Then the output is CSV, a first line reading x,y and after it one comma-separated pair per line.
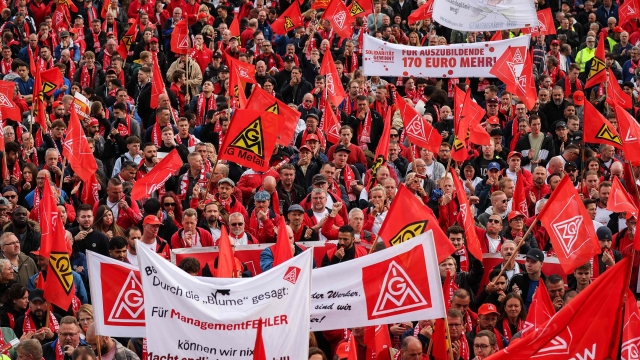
x,y
318,202
151,230
583,277
118,254
535,126
592,181
460,304
114,192
457,240
533,266
500,203
592,210
341,158
494,224
85,219
345,240
356,220
295,218
38,308
482,347
604,194
189,223
287,177
556,290
133,236
487,322
225,190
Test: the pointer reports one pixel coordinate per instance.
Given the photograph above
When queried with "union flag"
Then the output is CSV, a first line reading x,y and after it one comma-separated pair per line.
x,y
155,179
599,130
598,71
76,150
340,18
289,20
359,8
180,37
335,91
630,133
422,13
417,129
129,38
287,117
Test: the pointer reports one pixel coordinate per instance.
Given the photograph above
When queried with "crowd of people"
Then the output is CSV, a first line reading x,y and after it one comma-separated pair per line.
x,y
324,191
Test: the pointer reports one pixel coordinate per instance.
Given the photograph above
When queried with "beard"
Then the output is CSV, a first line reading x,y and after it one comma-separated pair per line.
x,y
237,232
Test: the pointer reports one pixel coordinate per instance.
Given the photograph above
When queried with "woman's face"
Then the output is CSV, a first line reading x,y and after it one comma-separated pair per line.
x,y
513,308
469,172
594,166
23,302
442,41
107,219
28,176
413,38
85,319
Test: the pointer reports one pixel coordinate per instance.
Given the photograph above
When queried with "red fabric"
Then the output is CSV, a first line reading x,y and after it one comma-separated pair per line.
x,y
253,180
204,238
76,149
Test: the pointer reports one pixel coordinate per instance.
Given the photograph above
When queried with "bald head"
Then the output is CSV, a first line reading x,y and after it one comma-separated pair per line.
x,y
269,184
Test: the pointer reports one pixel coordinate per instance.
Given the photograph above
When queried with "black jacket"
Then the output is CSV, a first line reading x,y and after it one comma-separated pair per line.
x,y
377,127
295,196
522,280
31,240
470,280
291,95
525,145
95,241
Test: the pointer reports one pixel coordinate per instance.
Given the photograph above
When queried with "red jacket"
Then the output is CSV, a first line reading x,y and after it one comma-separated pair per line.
x,y
539,192
448,214
163,249
306,204
234,206
330,227
251,180
126,217
204,237
360,251
264,230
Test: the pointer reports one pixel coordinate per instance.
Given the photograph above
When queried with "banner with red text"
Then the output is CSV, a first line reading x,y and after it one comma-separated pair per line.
x,y
401,283
189,318
475,60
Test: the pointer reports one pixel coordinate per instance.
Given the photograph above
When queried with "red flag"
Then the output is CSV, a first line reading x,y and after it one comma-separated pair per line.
x,y
589,327
473,243
569,226
459,149
526,88
237,91
519,202
130,37
422,13
287,117
320,4
408,217
226,260
180,37
68,4
417,129
250,139
353,349
51,80
447,290
382,151
76,149
157,85
378,342
615,94
289,20
441,348
631,329
597,73
282,249
156,178
9,109
630,130
541,308
32,64
515,69
258,348
628,10
235,29
360,8
90,190
599,130
338,15
545,24
245,71
59,19
335,91
472,114
478,134
59,283
619,199
330,123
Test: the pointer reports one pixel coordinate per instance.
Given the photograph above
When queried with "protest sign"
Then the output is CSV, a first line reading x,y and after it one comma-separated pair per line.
x,y
381,58
485,15
222,318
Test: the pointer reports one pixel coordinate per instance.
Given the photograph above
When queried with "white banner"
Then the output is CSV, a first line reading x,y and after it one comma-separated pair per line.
x,y
485,15
117,298
449,61
188,318
401,283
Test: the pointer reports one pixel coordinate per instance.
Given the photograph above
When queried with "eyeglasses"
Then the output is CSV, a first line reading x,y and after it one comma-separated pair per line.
x,y
570,170
12,243
394,135
481,346
236,224
172,204
454,325
11,196
493,221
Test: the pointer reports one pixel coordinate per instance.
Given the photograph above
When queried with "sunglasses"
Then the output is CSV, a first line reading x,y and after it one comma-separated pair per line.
x,y
236,224
394,135
172,204
505,201
493,221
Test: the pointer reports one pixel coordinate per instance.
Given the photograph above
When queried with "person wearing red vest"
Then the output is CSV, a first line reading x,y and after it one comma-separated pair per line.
x,y
346,250
150,238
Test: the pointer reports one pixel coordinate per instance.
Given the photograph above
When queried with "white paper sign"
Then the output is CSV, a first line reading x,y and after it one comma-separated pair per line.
x,y
189,319
454,61
485,15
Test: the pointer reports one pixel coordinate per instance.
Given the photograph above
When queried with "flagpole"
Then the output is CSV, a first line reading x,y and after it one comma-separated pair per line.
x,y
213,169
64,161
98,341
186,66
515,252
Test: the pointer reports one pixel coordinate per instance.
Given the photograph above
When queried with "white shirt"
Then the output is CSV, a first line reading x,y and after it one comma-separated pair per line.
x,y
319,216
430,170
115,209
133,259
377,222
511,175
602,215
493,244
243,240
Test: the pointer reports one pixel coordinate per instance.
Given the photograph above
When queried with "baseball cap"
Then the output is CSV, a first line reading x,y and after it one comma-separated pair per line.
x,y
310,115
216,55
151,220
488,308
9,188
318,179
493,166
515,214
73,31
493,101
342,351
604,233
617,29
261,195
233,38
341,148
223,68
496,132
304,147
111,70
555,42
493,120
153,40
295,207
64,34
570,164
514,153
93,122
226,181
535,254
110,33
56,104
288,58
36,295
312,137
578,98
249,52
560,124
203,15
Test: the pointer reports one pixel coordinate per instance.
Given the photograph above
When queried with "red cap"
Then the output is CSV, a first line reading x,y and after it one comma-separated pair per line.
x,y
617,29
555,42
153,40
515,214
514,153
132,20
151,220
36,252
578,98
312,137
93,122
305,147
73,31
110,33
203,16
488,308
56,104
343,350
493,120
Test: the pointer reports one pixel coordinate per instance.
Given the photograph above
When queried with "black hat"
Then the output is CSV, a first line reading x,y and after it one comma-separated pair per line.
x,y
570,164
311,115
604,233
561,124
341,148
223,68
288,58
249,52
217,55
318,179
36,295
496,132
536,254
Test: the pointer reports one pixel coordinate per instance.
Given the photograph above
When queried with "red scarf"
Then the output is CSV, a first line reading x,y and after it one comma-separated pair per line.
x,y
364,132
59,351
307,106
6,65
156,134
567,87
271,60
464,348
634,65
184,184
554,75
382,108
96,40
125,129
323,141
144,348
36,197
506,328
349,176
113,27
43,65
203,107
71,69
312,45
349,105
255,224
30,326
80,33
191,142
353,62
106,59
415,95
87,80
194,238
464,260
221,136
499,343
